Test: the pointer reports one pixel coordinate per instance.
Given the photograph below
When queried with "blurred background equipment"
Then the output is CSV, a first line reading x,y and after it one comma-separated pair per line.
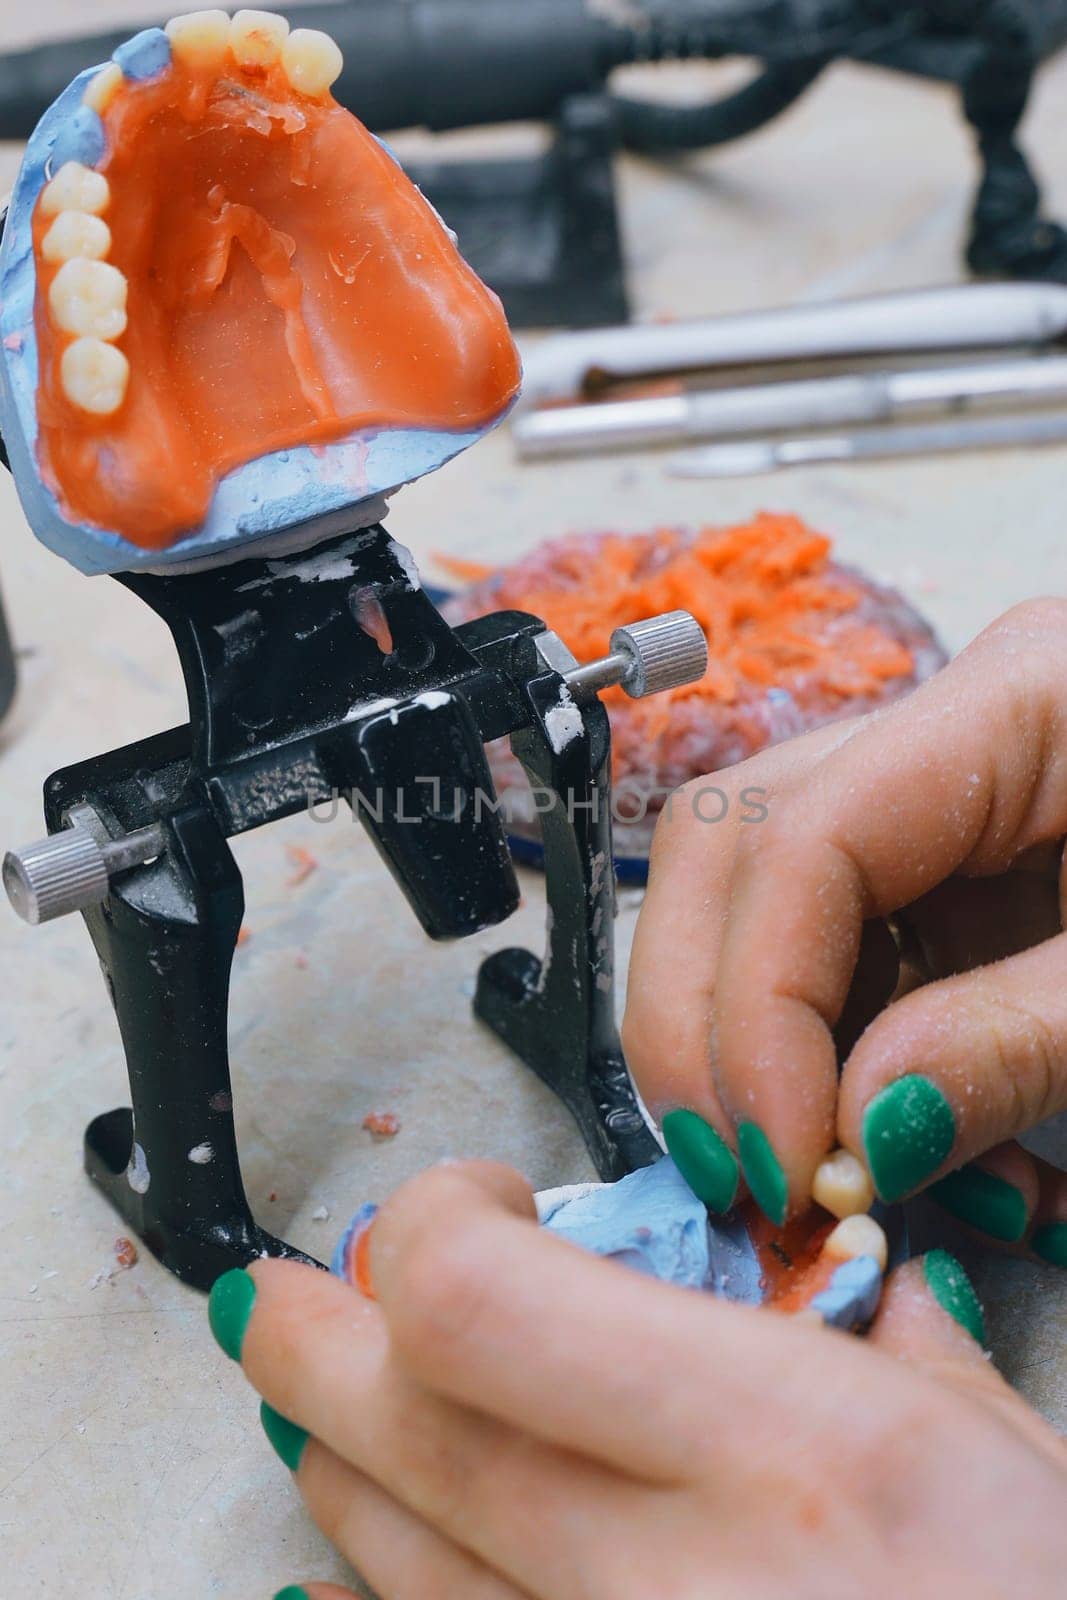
x,y
543,231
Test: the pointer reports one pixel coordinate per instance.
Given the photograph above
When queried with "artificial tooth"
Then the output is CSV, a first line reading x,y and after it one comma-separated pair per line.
x,y
312,60
199,38
842,1185
103,88
95,376
257,37
89,297
858,1236
75,188
76,235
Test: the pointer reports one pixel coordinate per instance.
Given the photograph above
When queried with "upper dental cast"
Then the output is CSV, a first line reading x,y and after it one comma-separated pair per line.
x,y
87,297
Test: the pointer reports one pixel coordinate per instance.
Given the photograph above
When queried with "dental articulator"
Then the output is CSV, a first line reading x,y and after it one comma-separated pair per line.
x,y
230,329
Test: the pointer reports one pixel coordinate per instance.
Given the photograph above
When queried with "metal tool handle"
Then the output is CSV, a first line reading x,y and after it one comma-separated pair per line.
x,y
961,317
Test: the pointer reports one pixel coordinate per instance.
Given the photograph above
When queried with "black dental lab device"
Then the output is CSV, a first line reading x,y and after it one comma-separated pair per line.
x,y
543,232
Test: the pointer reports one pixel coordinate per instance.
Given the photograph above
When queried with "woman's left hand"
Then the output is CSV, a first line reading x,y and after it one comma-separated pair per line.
x,y
516,1418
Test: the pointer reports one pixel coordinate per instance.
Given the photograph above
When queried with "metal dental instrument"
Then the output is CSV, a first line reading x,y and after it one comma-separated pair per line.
x,y
747,457
829,402
960,317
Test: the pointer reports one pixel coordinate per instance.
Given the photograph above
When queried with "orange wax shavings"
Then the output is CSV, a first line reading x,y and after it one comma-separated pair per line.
x,y
462,570
304,864
125,1252
795,640
382,1124
244,933
762,592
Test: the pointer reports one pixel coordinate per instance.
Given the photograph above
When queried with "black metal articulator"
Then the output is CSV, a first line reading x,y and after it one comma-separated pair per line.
x,y
295,699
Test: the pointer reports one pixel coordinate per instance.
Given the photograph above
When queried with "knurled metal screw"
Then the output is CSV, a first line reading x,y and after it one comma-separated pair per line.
x,y
72,869
646,658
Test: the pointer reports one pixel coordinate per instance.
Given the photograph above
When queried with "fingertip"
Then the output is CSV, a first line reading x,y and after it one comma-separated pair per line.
x,y
229,1310
930,1312
287,1439
703,1157
431,1213
908,1129
954,1292
763,1172
996,1195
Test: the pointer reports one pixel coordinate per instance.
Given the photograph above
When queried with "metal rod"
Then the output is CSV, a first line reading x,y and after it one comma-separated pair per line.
x,y
962,317
748,457
810,403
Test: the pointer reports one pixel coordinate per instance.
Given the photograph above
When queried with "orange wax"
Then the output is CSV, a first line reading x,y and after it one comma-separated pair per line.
x,y
793,1267
287,285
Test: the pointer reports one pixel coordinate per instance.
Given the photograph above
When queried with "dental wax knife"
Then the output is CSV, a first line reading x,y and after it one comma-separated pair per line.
x,y
961,317
830,402
749,457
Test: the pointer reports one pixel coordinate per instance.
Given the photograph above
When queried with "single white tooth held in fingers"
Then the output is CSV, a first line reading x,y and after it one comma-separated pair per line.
x,y
257,37
89,297
199,38
858,1236
842,1185
312,61
94,376
75,188
101,90
76,235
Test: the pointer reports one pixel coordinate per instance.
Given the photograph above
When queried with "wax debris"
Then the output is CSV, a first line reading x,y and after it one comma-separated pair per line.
x,y
382,1124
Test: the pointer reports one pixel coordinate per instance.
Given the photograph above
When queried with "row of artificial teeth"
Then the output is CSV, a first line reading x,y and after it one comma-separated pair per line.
x,y
257,39
87,296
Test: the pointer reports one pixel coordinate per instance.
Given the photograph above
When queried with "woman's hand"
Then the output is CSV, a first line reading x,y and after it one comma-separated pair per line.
x,y
765,949
516,1418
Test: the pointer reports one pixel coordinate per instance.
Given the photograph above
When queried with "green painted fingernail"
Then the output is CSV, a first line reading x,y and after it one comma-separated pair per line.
x,y
705,1161
229,1309
954,1293
984,1201
1050,1243
294,1592
763,1171
287,1438
908,1130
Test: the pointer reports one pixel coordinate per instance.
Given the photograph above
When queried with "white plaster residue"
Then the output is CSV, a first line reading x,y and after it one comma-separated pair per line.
x,y
563,722
433,699
320,1214
406,562
323,566
368,708
137,1174
201,1154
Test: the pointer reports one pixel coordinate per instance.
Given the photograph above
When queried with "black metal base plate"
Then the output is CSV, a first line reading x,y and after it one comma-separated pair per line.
x,y
196,1256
